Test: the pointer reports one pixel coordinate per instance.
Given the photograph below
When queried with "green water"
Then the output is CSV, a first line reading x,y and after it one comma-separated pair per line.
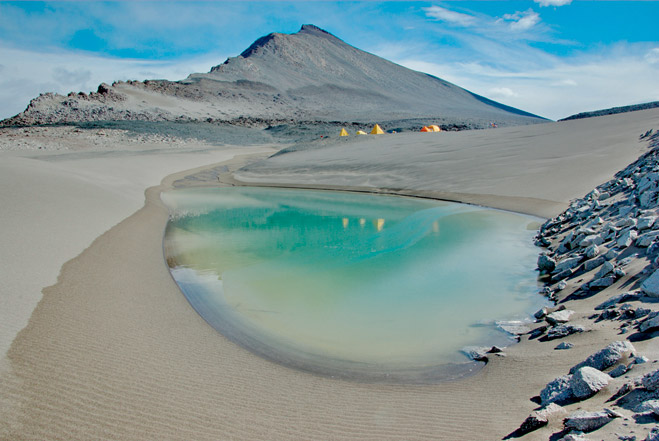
x,y
351,285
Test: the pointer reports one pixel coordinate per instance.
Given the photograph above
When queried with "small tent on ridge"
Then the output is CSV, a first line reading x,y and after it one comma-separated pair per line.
x,y
361,132
435,128
426,129
377,130
344,132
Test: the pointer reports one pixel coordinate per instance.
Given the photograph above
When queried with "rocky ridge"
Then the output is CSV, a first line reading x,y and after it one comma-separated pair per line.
x,y
307,76
605,246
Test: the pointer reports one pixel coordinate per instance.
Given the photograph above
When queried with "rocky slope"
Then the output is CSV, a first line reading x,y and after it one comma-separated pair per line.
x,y
282,78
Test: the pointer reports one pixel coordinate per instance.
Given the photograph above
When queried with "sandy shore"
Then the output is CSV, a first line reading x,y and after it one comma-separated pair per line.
x,y
114,351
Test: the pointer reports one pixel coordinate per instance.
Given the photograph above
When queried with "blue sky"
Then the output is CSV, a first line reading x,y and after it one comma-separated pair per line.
x,y
550,57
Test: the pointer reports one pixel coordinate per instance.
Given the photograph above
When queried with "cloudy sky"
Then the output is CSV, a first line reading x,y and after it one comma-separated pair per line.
x,y
549,57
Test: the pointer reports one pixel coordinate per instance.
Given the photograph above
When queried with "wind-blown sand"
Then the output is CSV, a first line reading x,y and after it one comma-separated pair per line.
x,y
113,350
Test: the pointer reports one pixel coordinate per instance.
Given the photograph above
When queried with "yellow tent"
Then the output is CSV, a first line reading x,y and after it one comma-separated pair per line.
x,y
344,132
361,132
435,128
377,130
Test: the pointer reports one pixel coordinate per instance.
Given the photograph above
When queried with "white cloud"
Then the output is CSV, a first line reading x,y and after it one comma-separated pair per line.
x,y
652,56
501,93
522,21
26,74
443,14
553,2
560,88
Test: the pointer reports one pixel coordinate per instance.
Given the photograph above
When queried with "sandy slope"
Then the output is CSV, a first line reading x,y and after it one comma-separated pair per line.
x,y
533,169
113,350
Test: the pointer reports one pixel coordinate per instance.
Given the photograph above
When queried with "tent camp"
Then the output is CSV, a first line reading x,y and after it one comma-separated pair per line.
x,y
377,130
344,132
435,128
361,132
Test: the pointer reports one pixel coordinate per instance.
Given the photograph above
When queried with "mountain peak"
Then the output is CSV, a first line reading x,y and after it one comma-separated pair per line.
x,y
313,29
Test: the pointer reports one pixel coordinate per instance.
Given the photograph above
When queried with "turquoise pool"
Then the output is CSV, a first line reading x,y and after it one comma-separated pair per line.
x,y
358,286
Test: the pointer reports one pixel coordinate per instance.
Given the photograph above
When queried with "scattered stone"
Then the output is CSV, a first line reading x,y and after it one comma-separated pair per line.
x,y
591,240
606,357
557,391
653,435
592,251
650,286
560,286
594,263
607,268
649,406
626,222
619,272
641,359
651,324
575,436
564,330
611,254
546,263
564,345
558,317
587,381
651,380
541,313
620,298
604,282
641,312
645,222
588,421
618,371
566,264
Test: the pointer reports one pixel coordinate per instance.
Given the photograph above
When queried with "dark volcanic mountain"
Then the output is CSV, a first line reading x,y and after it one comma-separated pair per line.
x,y
303,77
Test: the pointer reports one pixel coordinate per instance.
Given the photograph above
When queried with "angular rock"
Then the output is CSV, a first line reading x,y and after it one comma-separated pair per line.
x,y
590,240
648,199
563,331
588,421
626,222
564,345
541,313
627,238
594,263
567,264
611,254
618,371
651,380
557,391
592,251
560,286
649,325
558,317
646,222
562,275
587,381
650,286
602,283
653,435
574,437
649,406
645,240
625,297
546,263
606,357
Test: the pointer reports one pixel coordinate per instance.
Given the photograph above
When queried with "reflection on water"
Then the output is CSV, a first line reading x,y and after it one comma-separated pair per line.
x,y
354,285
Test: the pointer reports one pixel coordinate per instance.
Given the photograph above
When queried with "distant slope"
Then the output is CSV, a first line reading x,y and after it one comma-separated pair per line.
x,y
284,78
613,110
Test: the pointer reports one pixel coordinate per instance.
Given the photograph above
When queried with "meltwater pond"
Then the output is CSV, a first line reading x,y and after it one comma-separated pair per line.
x,y
358,286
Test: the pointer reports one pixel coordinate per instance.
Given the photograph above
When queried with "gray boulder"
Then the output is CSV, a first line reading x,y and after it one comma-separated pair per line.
x,y
588,421
558,317
546,263
627,238
566,264
650,286
649,406
594,263
564,345
476,353
651,380
648,325
557,391
606,357
603,282
587,381
564,330
618,371
590,240
626,222
646,222
592,251
653,435
607,268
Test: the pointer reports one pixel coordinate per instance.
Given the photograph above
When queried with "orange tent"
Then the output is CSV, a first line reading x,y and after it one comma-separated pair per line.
x,y
426,129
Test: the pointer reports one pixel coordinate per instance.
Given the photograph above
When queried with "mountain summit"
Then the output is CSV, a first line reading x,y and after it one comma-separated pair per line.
x,y
310,75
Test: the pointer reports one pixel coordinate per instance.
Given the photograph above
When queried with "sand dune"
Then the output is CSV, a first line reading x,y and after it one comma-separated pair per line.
x,y
113,350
